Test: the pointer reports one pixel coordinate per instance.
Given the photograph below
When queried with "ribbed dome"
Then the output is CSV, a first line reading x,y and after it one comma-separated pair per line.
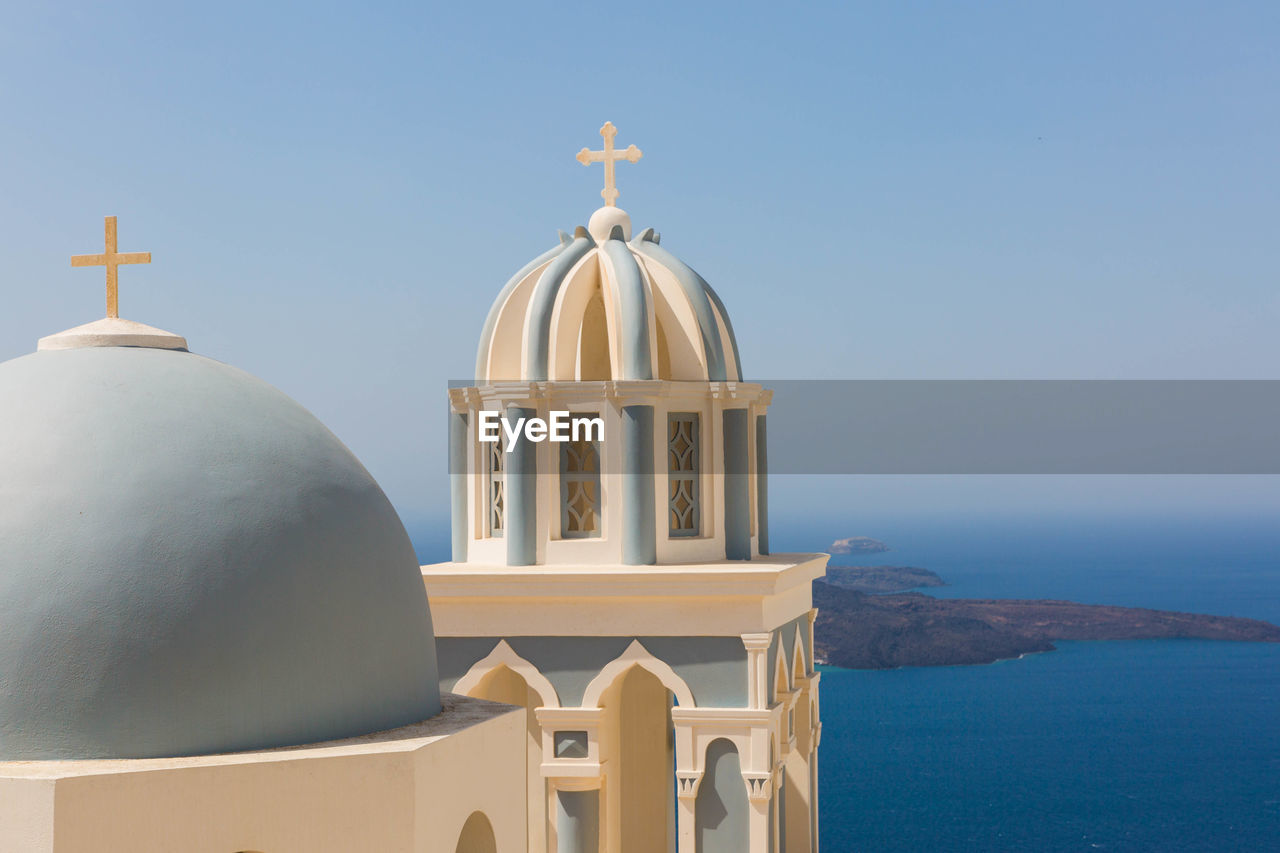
x,y
602,306
191,563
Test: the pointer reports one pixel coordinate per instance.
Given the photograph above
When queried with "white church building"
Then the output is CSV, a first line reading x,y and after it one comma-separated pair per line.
x,y
218,637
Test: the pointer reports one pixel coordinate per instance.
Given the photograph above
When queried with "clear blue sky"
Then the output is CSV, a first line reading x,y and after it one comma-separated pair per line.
x,y
334,194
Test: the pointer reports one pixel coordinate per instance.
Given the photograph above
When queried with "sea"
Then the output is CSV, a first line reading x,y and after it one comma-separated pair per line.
x,y
1155,745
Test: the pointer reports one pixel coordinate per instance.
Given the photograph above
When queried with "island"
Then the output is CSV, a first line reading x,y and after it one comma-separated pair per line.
x,y
882,578
858,545
866,621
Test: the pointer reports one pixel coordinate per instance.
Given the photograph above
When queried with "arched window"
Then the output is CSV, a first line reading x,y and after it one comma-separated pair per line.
x,y
721,807
495,468
580,483
682,473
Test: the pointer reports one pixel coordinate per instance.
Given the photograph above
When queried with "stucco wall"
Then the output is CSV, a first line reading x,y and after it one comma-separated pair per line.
x,y
410,789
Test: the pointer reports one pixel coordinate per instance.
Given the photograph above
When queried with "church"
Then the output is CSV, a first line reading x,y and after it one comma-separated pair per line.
x,y
219,639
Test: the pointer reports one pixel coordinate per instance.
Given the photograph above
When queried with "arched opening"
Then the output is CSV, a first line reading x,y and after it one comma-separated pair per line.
x,y
721,807
664,352
502,684
681,353
781,683
640,739
477,836
593,341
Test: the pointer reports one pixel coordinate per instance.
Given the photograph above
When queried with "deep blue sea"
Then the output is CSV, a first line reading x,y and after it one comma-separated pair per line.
x,y
1125,746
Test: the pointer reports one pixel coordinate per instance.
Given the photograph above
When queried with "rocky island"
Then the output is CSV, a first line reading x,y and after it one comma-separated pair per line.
x,y
858,545
866,621
882,578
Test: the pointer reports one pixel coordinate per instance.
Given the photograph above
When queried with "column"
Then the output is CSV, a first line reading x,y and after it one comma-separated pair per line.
x,y
813,800
815,739
521,487
737,502
687,782
639,527
762,486
760,827
757,646
458,485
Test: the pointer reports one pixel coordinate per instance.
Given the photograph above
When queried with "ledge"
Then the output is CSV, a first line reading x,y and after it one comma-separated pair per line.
x,y
459,713
760,576
722,598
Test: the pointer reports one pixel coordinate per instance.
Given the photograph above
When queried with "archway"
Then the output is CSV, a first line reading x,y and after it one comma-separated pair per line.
x,y
477,836
640,813
721,807
502,684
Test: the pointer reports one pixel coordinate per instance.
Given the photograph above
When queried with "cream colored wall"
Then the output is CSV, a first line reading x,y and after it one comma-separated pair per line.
x,y
481,772
409,790
721,598
505,685
26,815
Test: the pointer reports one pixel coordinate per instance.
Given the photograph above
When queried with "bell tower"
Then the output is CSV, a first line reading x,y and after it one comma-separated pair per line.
x,y
619,583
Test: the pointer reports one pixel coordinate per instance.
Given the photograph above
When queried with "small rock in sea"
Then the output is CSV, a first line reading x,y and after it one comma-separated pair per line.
x,y
858,545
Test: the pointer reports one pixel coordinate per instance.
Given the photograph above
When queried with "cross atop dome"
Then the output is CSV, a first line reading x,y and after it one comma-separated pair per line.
x,y
609,156
111,259
111,331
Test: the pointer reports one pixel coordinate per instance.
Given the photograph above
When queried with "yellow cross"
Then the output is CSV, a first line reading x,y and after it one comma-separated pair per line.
x,y
608,156
111,259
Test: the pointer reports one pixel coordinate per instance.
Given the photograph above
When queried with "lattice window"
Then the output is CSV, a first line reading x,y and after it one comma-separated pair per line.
x,y
683,509
580,487
497,464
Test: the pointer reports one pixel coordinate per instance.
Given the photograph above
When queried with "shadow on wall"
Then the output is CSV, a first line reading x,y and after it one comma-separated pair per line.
x,y
477,836
721,809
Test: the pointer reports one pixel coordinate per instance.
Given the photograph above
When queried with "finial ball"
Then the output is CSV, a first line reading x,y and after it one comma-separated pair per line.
x,y
602,222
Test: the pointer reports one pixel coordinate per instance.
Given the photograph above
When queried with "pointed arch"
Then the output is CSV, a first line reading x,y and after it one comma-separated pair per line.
x,y
504,655
580,309
637,655
799,662
696,294
781,678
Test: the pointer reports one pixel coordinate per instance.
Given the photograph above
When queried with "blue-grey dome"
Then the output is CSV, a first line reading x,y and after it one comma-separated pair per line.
x,y
190,563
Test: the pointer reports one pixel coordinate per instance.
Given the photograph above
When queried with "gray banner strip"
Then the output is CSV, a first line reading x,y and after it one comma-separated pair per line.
x,y
1023,427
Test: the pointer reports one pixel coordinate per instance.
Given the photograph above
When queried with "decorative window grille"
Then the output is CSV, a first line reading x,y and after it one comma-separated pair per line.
x,y
497,463
682,473
580,487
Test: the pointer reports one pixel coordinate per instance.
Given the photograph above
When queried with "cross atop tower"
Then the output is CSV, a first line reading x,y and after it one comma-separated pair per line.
x,y
111,259
609,156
